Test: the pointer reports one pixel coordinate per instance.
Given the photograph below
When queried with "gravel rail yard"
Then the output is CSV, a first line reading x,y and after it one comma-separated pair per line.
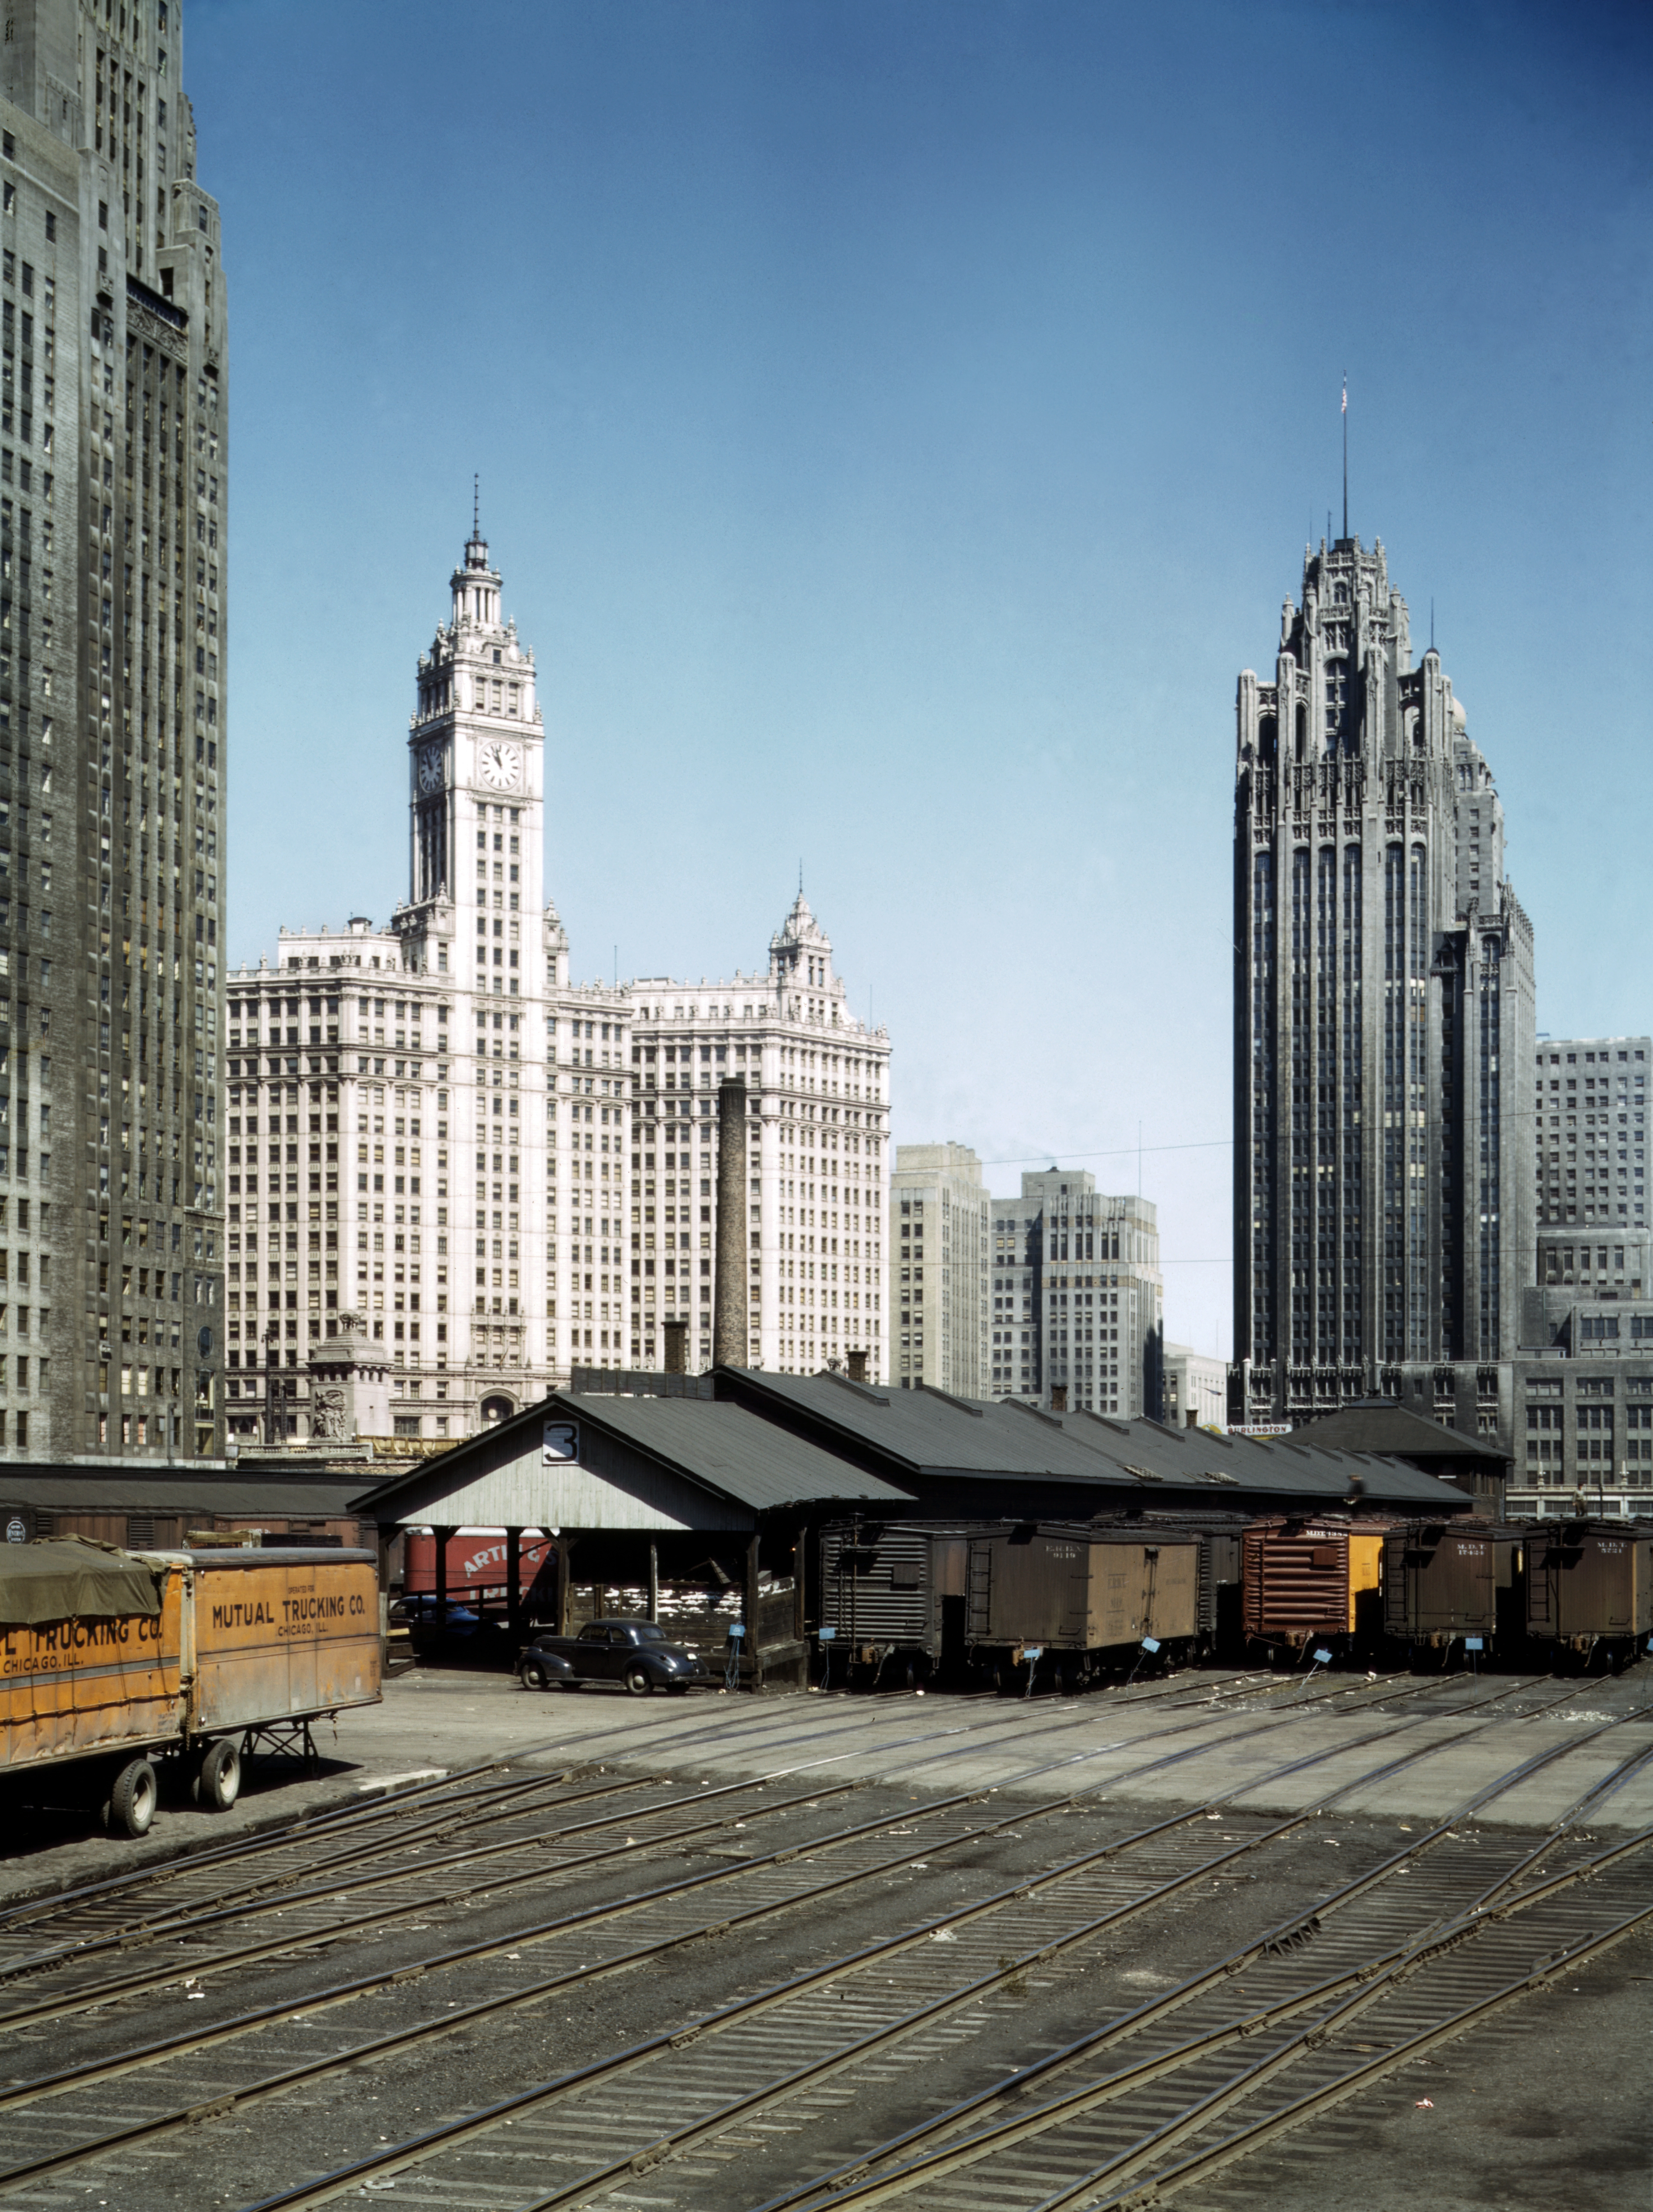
x,y
801,1951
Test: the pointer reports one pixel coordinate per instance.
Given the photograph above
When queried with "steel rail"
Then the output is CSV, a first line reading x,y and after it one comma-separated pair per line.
x,y
1337,2092
283,1896
245,2023
1363,1983
384,2046
302,1825
24,2093
422,2148
307,1824
1284,1934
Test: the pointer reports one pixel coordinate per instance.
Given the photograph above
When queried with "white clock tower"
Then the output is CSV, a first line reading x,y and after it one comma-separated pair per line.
x,y
475,784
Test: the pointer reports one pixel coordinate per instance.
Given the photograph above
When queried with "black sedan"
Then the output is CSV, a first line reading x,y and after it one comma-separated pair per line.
x,y
635,1653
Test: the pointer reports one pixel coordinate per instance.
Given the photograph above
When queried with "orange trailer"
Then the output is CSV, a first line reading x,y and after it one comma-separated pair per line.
x,y
115,1660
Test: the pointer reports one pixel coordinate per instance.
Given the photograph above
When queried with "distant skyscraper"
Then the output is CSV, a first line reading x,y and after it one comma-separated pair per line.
x,y
1077,1298
114,435
1383,1014
1589,1098
943,1321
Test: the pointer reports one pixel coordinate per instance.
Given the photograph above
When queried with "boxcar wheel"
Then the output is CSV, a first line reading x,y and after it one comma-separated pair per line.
x,y
218,1778
639,1681
132,1800
534,1676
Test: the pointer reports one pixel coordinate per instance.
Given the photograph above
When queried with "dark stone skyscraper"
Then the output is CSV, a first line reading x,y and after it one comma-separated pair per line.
x,y
114,430
1383,1015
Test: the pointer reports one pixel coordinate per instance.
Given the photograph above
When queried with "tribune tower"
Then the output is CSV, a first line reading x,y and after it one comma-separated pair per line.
x,y
1383,1014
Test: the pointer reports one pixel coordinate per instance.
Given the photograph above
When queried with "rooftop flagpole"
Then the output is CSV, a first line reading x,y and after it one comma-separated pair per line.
x,y
1346,454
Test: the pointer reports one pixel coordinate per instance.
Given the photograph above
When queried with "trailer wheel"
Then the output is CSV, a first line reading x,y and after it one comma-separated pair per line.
x,y
639,1681
218,1778
132,1800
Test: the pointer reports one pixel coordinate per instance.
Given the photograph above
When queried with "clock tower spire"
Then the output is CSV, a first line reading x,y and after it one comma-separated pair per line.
x,y
475,784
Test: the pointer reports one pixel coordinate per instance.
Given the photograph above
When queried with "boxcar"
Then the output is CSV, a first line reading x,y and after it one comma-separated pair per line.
x,y
111,1661
1319,1579
1082,1595
893,1592
1444,1580
1590,1584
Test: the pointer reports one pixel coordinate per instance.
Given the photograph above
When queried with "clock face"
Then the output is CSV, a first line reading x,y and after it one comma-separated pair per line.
x,y
430,769
500,764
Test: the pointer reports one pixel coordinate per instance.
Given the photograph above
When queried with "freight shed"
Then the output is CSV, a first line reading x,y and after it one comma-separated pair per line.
x,y
1387,1430
979,1457
689,1510
142,1506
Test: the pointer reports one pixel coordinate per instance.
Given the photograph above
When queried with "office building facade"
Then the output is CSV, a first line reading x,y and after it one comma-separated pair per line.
x,y
442,1148
1589,1108
1383,1015
940,1241
114,438
1077,1301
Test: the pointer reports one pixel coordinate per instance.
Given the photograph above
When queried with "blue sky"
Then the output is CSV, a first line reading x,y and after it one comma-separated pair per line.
x,y
898,426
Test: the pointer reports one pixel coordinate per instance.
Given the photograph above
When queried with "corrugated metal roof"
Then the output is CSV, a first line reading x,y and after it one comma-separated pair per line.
x,y
719,1445
739,1453
1381,1425
935,1437
84,1490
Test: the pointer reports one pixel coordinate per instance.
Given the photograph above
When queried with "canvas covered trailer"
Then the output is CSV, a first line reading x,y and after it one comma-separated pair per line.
x,y
1442,1580
112,1659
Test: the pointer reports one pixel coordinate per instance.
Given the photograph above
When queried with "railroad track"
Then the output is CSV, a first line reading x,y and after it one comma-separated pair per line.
x,y
1097,1891
452,1802
302,1881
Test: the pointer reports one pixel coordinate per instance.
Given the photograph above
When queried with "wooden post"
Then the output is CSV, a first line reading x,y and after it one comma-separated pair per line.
x,y
441,1535
514,1586
564,1581
800,1596
653,1580
388,1532
750,1609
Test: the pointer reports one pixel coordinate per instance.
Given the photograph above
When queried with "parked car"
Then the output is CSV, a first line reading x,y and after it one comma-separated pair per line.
x,y
422,1612
636,1653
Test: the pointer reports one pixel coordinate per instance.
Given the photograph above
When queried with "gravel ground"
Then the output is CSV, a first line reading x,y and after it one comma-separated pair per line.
x,y
1546,2110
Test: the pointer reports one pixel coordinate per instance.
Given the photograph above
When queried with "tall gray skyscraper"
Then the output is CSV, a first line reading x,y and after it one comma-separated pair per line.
x,y
113,494
1383,1014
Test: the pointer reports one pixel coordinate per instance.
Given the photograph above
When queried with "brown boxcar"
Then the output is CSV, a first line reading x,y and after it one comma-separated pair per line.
x,y
1590,1582
182,1656
895,1591
1313,1578
1444,1579
1072,1588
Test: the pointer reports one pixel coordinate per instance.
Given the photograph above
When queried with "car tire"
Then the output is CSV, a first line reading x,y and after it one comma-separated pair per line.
x,y
218,1778
639,1681
534,1676
132,1800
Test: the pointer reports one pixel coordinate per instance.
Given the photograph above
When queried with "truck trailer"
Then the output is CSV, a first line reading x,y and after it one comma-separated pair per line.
x,y
113,1662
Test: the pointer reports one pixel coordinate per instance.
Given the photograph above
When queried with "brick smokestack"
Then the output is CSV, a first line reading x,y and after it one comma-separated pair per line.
x,y
729,1312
